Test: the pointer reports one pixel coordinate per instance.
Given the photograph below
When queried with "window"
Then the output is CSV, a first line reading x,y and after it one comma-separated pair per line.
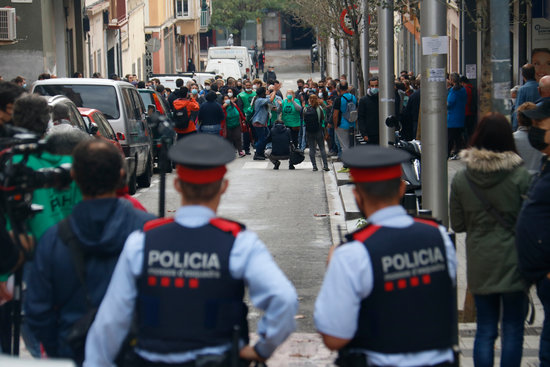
x,y
182,8
101,97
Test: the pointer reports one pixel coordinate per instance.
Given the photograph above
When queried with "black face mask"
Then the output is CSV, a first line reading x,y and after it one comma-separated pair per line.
x,y
536,138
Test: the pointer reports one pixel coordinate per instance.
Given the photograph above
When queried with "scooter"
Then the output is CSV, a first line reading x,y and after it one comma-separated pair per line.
x,y
411,169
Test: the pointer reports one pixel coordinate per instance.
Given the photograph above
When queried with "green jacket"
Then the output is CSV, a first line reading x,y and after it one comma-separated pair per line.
x,y
291,114
491,256
57,204
246,99
233,118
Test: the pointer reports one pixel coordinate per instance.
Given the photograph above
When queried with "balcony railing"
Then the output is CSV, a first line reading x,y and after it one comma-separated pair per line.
x,y
205,20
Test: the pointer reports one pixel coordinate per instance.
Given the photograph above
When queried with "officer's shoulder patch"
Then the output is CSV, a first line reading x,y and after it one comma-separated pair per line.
x,y
227,225
427,220
152,224
363,233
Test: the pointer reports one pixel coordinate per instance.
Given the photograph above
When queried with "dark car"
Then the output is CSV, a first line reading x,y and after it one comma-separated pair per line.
x,y
120,103
154,98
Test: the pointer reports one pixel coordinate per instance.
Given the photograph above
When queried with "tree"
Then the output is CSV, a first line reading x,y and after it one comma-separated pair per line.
x,y
233,14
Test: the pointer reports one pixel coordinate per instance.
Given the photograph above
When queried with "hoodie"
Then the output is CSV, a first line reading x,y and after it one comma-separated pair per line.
x,y
55,298
491,256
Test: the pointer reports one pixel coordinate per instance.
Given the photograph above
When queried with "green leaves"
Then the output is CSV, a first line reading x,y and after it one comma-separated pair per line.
x,y
233,14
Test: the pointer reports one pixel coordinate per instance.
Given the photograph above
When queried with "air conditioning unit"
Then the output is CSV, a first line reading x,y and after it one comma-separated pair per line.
x,y
7,24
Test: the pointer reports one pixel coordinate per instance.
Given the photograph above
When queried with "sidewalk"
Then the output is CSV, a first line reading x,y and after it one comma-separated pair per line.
x,y
345,214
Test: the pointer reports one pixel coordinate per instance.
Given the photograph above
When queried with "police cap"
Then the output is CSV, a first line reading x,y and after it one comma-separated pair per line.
x,y
373,163
201,158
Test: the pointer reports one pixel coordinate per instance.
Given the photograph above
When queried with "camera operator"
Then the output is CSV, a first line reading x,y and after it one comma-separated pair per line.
x,y
59,295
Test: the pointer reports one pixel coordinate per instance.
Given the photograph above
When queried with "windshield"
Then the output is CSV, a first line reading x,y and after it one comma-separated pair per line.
x,y
101,97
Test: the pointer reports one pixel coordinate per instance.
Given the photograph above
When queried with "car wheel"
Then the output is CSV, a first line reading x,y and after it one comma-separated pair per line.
x,y
132,184
145,179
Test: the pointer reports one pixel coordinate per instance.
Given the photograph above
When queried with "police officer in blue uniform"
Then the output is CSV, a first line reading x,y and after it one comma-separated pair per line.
x,y
185,277
387,295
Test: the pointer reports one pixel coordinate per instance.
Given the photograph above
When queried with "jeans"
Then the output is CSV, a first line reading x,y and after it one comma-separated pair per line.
x,y
455,139
314,140
261,135
543,291
510,309
302,137
210,129
246,142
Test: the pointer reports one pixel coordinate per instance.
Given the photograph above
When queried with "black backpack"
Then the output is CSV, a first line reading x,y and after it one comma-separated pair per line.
x,y
311,119
181,117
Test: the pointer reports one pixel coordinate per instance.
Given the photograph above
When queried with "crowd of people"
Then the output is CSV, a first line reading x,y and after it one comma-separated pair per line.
x,y
107,283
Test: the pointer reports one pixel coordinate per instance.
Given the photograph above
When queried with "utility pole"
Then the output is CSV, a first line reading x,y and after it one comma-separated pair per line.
x,y
433,99
386,101
365,42
342,57
500,56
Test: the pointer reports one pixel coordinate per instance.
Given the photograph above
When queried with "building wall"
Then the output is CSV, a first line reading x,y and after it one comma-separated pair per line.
x,y
133,51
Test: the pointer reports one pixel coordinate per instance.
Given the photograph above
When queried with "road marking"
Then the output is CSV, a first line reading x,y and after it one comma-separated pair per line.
x,y
266,165
255,165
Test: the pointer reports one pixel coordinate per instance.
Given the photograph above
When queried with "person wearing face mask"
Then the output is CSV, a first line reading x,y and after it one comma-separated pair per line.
x,y
291,115
233,119
532,230
367,113
244,102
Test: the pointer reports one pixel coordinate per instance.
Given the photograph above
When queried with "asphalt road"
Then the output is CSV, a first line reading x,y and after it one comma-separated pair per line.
x,y
281,206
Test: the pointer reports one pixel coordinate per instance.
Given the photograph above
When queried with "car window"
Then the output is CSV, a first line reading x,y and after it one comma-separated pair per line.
x,y
104,127
134,126
101,97
147,97
87,121
76,118
138,104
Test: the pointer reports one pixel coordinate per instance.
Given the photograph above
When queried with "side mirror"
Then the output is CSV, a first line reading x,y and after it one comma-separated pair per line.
x,y
93,129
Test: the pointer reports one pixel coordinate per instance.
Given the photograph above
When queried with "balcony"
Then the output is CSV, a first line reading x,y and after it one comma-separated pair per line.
x,y
205,20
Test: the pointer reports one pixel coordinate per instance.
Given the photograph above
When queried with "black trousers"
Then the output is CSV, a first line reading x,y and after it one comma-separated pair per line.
x,y
455,139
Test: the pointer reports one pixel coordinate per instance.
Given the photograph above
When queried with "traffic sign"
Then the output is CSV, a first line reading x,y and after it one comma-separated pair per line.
x,y
345,20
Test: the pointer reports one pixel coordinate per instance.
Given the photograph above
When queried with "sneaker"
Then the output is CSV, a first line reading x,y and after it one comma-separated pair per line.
x,y
344,170
259,157
248,153
291,167
326,169
455,157
276,165
241,154
315,169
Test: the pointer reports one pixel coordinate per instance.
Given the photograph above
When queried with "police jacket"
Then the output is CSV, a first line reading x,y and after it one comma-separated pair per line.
x,y
249,261
55,299
351,279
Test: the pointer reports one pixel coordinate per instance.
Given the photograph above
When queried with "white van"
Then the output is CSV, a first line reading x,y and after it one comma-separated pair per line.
x,y
238,53
224,67
169,80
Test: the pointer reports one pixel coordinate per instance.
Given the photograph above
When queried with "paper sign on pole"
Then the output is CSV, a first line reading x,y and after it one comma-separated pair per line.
x,y
435,45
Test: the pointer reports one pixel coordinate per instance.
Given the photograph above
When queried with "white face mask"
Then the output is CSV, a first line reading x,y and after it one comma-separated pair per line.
x,y
230,94
320,94
207,87
227,101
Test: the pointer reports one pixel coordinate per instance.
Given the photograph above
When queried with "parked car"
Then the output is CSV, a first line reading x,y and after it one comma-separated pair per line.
x,y
169,80
99,126
122,106
153,98
73,116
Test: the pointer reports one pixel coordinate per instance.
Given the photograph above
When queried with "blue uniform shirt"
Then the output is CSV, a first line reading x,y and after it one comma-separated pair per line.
x,y
268,288
349,279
